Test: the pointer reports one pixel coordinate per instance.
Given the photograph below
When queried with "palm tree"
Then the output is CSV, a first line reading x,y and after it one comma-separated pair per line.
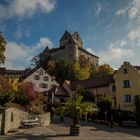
x,y
75,107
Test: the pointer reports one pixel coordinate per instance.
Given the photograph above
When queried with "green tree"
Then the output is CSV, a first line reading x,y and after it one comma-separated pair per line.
x,y
104,103
2,49
87,94
75,107
64,70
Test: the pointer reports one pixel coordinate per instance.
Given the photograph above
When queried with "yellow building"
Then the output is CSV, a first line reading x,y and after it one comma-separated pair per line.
x,y
127,80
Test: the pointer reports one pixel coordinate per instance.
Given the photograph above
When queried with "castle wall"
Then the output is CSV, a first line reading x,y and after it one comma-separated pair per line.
x,y
68,53
71,53
92,59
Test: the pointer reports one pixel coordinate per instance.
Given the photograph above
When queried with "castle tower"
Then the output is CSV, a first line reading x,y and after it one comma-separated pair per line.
x,y
70,49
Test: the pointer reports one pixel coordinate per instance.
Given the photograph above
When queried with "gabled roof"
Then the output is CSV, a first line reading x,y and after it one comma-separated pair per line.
x,y
5,71
75,35
66,34
45,51
92,83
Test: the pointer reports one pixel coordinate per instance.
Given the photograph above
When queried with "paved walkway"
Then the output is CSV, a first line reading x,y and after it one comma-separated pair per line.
x,y
89,131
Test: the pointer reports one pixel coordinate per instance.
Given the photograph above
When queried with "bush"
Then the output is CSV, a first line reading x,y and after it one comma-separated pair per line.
x,y
104,104
122,115
137,104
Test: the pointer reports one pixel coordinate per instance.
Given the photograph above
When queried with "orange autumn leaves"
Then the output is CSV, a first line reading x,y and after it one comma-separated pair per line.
x,y
29,92
13,86
4,84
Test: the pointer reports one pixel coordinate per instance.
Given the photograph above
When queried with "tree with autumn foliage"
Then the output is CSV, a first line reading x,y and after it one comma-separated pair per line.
x,y
64,70
21,95
103,70
34,99
8,90
2,49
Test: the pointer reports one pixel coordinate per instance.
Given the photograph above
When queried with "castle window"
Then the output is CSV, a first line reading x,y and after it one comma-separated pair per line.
x,y
126,84
36,77
125,71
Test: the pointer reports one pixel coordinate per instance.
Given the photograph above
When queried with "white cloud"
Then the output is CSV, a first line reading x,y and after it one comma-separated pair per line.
x,y
113,56
120,12
18,56
89,50
43,42
134,34
15,51
132,10
22,8
99,8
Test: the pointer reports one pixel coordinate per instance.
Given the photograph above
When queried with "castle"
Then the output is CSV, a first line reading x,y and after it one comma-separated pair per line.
x,y
71,49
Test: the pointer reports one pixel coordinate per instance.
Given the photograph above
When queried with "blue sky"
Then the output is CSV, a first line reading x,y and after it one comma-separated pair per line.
x,y
109,29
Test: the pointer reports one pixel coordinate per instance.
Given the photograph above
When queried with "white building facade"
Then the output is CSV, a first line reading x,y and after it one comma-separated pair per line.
x,y
42,80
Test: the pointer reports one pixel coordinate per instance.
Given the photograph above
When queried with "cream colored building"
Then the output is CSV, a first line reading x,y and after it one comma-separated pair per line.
x,y
127,80
102,86
41,79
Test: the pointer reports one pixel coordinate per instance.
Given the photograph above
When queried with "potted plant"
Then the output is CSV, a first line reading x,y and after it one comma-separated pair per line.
x,y
75,107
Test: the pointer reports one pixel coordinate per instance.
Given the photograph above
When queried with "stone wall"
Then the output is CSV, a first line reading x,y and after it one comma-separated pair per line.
x,y
12,118
0,121
44,119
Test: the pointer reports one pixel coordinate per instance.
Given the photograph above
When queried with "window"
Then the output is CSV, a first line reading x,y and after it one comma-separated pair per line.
x,y
36,77
45,78
125,71
12,117
126,83
43,85
113,88
41,72
127,98
62,100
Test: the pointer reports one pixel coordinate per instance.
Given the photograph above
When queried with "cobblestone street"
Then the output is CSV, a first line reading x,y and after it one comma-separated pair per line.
x,y
89,131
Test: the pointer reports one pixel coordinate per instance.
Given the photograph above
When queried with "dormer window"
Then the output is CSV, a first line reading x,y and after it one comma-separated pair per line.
x,y
125,71
41,72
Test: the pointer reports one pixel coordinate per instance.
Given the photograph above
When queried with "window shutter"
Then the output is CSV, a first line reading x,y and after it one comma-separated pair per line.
x,y
131,83
123,97
122,84
133,98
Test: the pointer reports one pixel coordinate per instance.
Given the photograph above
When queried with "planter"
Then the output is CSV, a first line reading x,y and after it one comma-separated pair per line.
x,y
74,130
